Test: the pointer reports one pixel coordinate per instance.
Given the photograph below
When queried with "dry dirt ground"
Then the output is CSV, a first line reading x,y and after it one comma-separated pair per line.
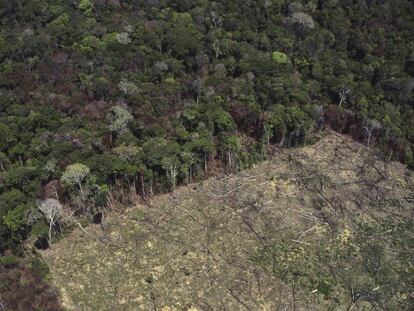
x,y
197,249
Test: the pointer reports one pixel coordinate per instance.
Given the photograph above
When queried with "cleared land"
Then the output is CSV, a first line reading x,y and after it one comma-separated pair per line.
x,y
325,227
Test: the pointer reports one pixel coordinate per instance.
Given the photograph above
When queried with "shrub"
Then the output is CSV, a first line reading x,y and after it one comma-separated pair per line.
x,y
9,261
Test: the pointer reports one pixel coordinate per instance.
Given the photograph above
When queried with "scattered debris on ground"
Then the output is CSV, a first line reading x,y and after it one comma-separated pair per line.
x,y
283,235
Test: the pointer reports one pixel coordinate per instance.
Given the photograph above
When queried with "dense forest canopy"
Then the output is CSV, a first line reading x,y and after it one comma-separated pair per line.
x,y
99,98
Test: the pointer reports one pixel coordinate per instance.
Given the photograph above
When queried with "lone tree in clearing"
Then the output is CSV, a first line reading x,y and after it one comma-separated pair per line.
x,y
52,210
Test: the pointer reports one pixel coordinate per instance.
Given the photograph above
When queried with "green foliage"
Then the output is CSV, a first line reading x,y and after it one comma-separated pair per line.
x,y
182,42
231,143
14,219
223,121
60,25
38,266
74,175
6,139
280,58
9,261
202,144
39,229
11,199
86,6
295,118
120,117
110,40
120,88
88,45
3,46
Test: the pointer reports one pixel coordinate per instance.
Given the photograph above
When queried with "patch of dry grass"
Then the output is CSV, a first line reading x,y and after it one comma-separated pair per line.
x,y
194,249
